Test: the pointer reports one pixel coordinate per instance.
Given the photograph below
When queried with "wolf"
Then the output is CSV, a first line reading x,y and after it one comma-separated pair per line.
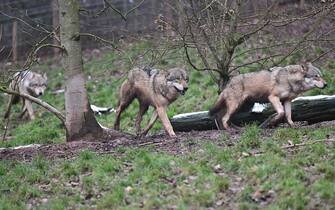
x,y
27,82
152,87
278,85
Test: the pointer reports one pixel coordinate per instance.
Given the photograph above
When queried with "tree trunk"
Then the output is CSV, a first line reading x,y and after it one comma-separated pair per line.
x,y
80,121
310,109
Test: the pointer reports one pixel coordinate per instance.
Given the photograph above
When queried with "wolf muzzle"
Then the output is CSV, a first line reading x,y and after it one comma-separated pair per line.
x,y
182,92
324,86
180,88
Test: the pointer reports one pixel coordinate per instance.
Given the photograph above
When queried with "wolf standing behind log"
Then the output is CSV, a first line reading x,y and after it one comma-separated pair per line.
x,y
279,86
27,82
155,88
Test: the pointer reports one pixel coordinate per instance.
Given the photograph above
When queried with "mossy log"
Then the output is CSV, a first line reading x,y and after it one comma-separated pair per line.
x,y
312,109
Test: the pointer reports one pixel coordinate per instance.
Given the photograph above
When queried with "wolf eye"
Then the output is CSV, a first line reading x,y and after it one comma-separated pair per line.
x,y
170,79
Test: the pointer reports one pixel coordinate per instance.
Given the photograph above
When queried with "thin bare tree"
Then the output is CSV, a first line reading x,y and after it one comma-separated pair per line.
x,y
222,32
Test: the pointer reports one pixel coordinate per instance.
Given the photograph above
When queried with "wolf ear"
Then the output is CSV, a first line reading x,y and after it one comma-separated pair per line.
x,y
167,74
304,66
45,76
32,76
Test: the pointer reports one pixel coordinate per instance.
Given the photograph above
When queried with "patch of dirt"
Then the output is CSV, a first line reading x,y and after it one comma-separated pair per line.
x,y
184,142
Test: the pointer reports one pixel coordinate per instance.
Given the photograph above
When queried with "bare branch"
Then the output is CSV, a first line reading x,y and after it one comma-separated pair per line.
x,y
255,61
323,54
131,10
108,5
100,39
31,59
1,30
194,66
306,35
36,28
292,146
247,35
216,29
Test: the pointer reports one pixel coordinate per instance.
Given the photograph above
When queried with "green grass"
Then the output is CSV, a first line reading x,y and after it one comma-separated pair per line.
x,y
107,72
212,176
103,91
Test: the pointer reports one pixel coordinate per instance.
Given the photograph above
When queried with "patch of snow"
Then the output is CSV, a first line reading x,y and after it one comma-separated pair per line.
x,y
102,110
259,107
103,127
314,97
188,114
58,91
22,147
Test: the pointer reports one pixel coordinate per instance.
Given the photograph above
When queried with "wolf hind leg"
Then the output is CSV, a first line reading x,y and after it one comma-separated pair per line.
x,y
139,117
126,97
150,124
232,106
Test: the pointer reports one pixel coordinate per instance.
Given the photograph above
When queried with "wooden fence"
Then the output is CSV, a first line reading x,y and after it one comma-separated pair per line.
x,y
24,22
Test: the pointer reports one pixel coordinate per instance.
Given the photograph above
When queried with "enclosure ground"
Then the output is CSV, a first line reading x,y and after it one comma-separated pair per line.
x,y
197,170
183,143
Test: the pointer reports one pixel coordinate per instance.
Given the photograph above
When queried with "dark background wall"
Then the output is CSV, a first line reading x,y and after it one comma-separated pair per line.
x,y
38,14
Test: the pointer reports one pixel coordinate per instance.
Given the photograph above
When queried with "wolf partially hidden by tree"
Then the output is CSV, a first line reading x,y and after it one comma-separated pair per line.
x,y
30,83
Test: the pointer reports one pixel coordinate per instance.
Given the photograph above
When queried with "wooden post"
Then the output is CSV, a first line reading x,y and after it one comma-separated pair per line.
x,y
14,42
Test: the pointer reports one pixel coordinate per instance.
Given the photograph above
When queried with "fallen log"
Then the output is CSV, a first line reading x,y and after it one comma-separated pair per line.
x,y
312,109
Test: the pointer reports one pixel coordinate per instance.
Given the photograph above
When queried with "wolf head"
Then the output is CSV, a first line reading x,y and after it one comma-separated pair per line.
x,y
37,83
178,79
313,77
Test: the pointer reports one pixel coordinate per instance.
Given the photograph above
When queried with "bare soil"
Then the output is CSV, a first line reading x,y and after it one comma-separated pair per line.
x,y
113,143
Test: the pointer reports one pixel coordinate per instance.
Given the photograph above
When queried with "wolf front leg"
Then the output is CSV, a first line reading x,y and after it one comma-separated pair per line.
x,y
275,101
161,111
29,107
288,112
150,124
142,111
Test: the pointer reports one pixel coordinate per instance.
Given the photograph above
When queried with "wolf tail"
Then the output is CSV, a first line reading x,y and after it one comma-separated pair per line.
x,y
217,106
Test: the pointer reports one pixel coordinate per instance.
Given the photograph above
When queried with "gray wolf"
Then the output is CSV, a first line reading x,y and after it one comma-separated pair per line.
x,y
27,82
155,88
278,85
